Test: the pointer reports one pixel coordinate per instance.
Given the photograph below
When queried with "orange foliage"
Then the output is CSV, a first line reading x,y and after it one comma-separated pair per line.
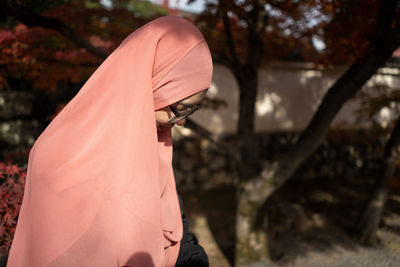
x,y
46,58
348,35
12,180
43,57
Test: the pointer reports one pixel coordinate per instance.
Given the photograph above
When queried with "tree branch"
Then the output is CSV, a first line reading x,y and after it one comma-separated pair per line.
x,y
32,19
380,50
368,219
392,146
221,146
386,15
255,36
264,23
229,37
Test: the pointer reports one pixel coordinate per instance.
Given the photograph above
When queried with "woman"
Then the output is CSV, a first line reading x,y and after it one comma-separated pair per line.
x,y
100,189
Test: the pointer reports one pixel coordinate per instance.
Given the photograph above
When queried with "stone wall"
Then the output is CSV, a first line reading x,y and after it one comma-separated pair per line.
x,y
18,127
197,164
344,154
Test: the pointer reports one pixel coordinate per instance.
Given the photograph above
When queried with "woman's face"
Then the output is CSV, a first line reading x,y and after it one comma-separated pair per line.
x,y
163,115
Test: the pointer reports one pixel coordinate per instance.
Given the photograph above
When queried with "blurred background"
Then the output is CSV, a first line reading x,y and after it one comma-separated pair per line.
x,y
293,161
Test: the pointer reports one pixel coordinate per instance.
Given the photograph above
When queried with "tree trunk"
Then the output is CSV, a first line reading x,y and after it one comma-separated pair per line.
x,y
368,221
248,84
251,240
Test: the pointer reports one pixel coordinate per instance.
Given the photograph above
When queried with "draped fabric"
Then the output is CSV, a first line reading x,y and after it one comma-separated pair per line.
x,y
100,189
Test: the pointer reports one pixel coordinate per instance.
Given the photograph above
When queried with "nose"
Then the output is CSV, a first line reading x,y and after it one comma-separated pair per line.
x,y
181,122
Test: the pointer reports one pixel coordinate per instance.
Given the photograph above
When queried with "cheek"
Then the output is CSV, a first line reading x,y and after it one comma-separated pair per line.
x,y
161,116
181,122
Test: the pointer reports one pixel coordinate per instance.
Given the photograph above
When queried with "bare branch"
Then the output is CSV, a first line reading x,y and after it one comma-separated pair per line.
x,y
221,146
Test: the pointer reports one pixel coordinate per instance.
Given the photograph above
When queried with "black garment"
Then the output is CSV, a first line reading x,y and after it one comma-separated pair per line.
x,y
190,252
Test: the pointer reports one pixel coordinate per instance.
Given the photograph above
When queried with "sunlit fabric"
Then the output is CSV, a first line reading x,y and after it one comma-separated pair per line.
x,y
100,189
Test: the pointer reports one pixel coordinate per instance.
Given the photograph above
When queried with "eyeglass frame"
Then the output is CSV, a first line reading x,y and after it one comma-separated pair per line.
x,y
181,114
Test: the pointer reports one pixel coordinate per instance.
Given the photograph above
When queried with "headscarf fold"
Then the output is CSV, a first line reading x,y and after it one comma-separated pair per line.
x,y
100,189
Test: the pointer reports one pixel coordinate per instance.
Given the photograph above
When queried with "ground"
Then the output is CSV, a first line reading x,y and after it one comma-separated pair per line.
x,y
309,224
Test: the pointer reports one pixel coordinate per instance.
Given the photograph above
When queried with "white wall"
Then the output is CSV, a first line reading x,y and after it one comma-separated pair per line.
x,y
289,94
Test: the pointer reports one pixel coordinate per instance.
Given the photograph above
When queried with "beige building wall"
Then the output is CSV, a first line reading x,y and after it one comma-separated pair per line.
x,y
289,94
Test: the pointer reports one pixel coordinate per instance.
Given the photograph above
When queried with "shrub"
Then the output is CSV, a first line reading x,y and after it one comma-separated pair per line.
x,y
12,180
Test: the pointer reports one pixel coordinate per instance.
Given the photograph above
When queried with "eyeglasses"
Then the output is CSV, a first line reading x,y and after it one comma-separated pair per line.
x,y
180,114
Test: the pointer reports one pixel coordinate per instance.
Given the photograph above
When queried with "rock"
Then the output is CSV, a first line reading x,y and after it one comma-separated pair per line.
x,y
179,177
187,163
265,263
217,164
19,132
202,174
15,104
190,148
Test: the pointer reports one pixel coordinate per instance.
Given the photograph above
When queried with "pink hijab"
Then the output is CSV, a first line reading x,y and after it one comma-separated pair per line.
x,y
100,189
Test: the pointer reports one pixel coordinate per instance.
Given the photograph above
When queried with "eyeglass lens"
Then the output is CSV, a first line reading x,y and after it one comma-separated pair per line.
x,y
181,114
